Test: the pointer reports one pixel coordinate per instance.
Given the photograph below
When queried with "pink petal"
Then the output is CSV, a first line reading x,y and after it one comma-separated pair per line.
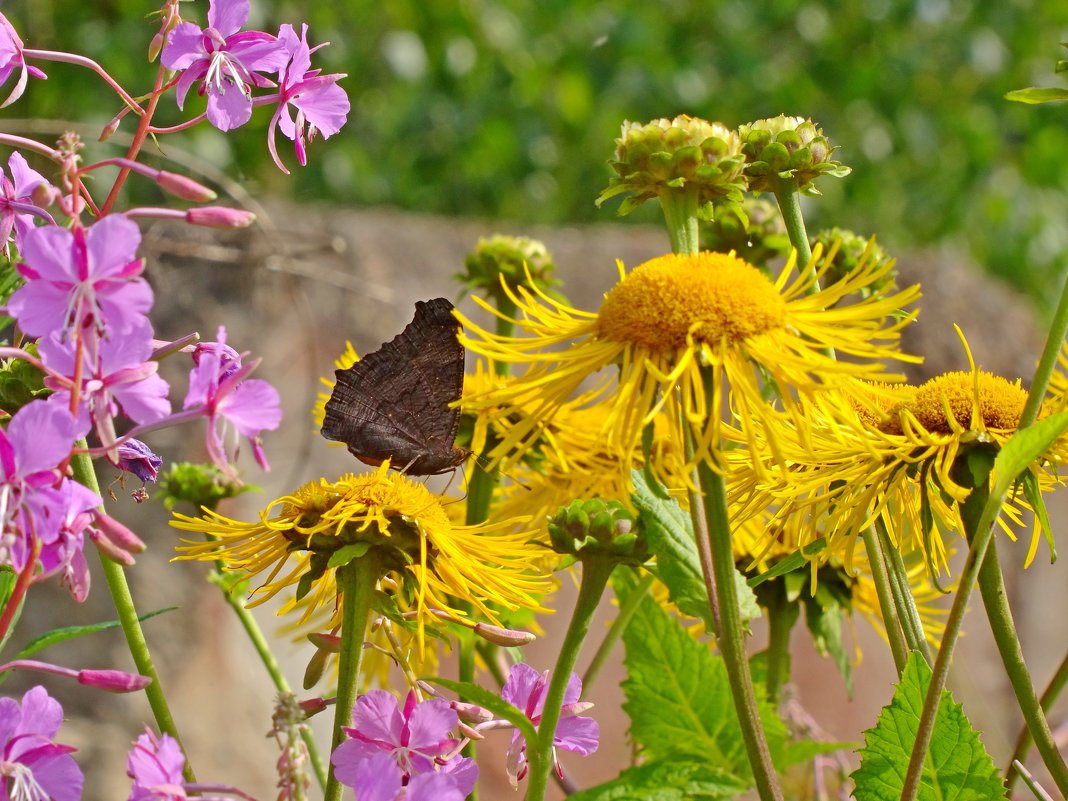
x,y
228,107
580,735
227,16
377,717
184,46
253,406
429,726
48,251
112,244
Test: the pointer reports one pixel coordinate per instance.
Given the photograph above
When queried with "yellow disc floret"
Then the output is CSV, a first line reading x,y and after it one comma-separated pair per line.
x,y
1000,402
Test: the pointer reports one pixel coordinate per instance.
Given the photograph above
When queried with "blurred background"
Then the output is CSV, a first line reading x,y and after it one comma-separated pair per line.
x,y
475,116
505,108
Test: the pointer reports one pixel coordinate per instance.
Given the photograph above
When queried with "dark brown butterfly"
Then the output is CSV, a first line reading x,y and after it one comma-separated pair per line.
x,y
394,403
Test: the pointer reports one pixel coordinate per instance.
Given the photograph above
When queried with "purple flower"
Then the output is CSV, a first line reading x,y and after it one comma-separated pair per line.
x,y
225,60
11,59
62,515
117,375
17,207
414,740
74,278
32,766
526,689
321,105
226,397
155,764
137,458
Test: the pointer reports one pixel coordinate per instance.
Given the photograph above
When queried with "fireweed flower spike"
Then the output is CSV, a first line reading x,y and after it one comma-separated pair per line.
x,y
74,277
526,689
17,205
431,560
226,61
11,59
321,105
658,328
416,739
32,766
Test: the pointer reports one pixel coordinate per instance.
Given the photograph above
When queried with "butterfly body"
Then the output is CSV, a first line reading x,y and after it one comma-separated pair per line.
x,y
395,403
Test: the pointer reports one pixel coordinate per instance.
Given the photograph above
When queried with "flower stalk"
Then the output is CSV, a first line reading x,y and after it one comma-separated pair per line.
x,y
887,606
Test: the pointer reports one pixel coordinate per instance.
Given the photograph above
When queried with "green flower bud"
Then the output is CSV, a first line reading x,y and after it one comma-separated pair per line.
x,y
512,258
597,526
199,485
754,230
686,154
790,148
853,250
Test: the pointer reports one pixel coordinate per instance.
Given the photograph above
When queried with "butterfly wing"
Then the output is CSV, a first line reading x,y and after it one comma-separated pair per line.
x,y
394,403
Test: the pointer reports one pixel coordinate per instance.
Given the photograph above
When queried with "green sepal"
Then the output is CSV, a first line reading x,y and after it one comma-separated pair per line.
x,y
346,553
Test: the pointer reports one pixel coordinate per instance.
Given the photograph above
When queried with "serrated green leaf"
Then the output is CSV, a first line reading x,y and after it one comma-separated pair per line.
x,y
1035,94
1024,447
679,699
957,765
494,703
54,636
666,781
806,750
669,532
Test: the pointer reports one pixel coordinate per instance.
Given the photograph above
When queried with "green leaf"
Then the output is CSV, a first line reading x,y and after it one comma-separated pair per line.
x,y
667,780
1024,447
8,579
669,532
1035,94
346,553
1038,504
794,561
823,616
494,703
957,766
54,636
679,699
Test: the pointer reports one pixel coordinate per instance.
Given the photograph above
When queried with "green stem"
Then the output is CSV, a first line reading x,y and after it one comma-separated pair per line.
x,y
596,570
1023,742
789,200
615,631
680,213
782,615
714,545
263,650
992,589
356,583
887,605
1048,361
911,625
122,598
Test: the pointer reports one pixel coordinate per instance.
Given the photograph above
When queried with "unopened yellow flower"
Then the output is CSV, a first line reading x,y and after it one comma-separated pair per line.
x,y
897,460
434,566
669,323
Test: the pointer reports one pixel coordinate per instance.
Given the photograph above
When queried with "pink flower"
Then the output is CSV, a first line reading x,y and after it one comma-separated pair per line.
x,y
225,60
137,458
17,206
217,386
415,740
321,105
74,278
31,764
11,59
155,764
526,689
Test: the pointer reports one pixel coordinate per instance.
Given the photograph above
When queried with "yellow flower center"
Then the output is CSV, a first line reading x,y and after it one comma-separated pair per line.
x,y
714,296
1001,402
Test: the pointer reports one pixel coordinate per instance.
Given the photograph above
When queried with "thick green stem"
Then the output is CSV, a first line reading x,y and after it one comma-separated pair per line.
x,y
615,631
122,598
911,625
596,571
782,615
992,589
1023,742
715,546
680,213
887,605
789,200
356,583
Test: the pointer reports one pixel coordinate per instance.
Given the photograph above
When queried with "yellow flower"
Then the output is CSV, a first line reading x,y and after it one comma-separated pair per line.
x,y
667,324
343,362
433,566
898,459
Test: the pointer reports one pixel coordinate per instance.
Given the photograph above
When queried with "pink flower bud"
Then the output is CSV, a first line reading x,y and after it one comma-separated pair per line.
x,y
118,534
183,187
325,642
114,681
500,636
155,46
314,706
110,128
472,713
220,217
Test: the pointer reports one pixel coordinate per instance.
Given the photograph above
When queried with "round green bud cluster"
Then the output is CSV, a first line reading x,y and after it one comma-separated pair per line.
x,y
682,154
853,250
511,258
787,148
597,527
754,230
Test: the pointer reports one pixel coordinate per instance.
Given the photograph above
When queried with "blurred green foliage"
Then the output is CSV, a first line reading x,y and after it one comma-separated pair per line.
x,y
509,108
